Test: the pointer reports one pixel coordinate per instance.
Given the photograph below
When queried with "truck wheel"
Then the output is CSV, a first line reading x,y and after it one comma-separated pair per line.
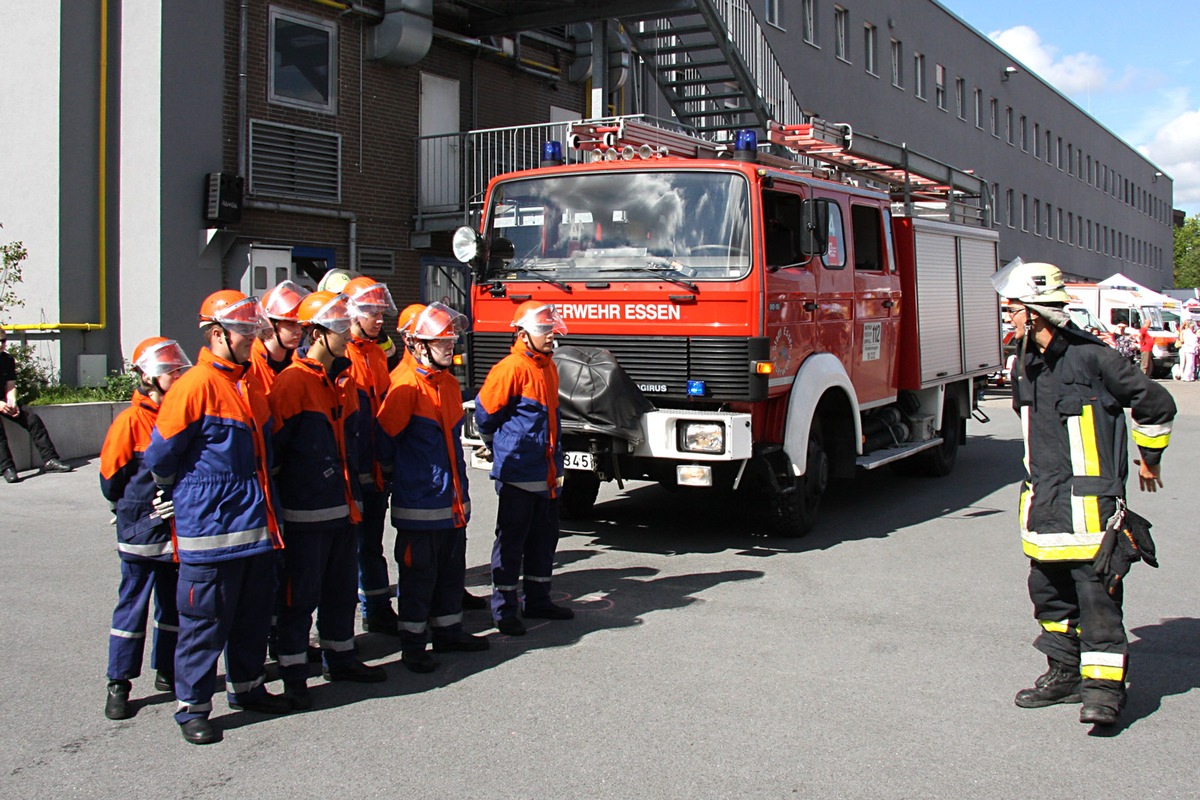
x,y
798,508
940,460
578,497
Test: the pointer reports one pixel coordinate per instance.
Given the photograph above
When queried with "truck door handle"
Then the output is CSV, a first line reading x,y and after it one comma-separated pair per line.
x,y
810,306
889,303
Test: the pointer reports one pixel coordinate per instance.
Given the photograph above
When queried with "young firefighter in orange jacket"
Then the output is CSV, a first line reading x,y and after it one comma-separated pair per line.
x,y
272,351
517,414
143,531
315,408
210,454
369,301
422,419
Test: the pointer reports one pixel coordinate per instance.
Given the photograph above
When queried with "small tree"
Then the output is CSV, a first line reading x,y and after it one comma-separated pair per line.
x,y
1187,253
32,376
11,256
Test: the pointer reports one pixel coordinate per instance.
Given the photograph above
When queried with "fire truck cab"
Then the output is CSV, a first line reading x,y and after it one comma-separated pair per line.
x,y
762,324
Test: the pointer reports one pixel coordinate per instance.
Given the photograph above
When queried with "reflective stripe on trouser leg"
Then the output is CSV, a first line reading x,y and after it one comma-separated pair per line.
x,y
298,595
432,565
207,596
166,617
1105,649
514,517
1056,607
445,607
127,637
539,552
247,648
374,587
335,613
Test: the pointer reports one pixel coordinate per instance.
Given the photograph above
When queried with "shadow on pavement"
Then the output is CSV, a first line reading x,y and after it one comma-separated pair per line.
x,y
1162,662
603,599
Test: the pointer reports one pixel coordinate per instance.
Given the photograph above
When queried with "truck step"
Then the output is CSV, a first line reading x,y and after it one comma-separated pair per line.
x,y
886,456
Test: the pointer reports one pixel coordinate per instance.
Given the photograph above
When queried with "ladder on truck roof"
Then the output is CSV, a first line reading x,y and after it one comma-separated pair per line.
x,y
923,185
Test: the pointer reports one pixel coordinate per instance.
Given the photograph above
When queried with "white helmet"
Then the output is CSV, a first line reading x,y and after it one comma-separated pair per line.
x,y
1036,282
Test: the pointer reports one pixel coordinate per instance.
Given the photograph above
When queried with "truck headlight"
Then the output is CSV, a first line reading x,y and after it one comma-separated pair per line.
x,y
702,437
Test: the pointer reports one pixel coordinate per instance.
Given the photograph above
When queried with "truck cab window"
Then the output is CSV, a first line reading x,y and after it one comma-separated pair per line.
x,y
781,223
868,238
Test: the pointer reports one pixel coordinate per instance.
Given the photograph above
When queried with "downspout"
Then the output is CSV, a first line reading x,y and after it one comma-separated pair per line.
x,y
101,215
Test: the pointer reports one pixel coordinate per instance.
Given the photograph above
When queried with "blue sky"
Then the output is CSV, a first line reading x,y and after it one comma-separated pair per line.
x,y
1135,67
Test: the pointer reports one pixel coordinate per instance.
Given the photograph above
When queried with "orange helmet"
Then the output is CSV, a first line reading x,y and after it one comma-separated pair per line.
x,y
233,311
369,296
410,313
438,321
538,318
283,301
159,355
325,309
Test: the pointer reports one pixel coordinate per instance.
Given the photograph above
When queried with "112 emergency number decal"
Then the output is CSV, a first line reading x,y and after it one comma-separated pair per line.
x,y
872,341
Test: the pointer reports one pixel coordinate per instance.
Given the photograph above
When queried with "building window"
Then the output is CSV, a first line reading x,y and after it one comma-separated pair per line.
x,y
960,97
1009,132
1070,159
303,69
919,75
841,33
1009,211
809,21
995,118
1025,213
869,42
1070,228
1058,154
995,200
1024,134
1037,217
1049,140
775,14
979,109
897,64
1037,140
939,86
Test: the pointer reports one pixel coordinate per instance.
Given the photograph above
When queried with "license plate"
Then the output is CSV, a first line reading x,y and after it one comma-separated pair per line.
x,y
580,461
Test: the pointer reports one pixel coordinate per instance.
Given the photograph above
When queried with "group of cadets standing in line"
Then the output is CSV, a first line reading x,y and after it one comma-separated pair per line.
x,y
249,491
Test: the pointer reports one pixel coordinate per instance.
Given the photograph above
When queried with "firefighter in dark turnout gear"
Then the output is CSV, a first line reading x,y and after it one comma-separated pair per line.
x,y
143,531
1070,390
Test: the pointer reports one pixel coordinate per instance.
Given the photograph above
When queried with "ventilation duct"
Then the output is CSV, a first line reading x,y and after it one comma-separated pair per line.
x,y
404,36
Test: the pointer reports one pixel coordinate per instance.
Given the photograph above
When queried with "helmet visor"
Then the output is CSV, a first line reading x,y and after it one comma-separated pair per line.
x,y
282,302
376,299
244,317
162,359
438,321
541,321
334,315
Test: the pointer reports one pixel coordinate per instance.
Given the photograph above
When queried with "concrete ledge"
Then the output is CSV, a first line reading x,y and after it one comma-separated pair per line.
x,y
77,430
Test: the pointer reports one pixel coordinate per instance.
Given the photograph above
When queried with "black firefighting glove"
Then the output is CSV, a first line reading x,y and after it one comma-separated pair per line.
x,y
1126,541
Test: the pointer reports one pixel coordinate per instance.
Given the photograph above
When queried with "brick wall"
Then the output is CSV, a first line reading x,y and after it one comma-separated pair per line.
x,y
377,118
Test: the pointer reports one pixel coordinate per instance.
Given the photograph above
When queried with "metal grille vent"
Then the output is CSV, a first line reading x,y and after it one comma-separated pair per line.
x,y
286,161
377,261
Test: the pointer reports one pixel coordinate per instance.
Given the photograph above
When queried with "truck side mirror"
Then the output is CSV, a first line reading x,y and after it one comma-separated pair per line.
x,y
814,228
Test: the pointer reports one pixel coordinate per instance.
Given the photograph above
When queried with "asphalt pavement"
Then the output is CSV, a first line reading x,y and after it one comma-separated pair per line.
x,y
876,658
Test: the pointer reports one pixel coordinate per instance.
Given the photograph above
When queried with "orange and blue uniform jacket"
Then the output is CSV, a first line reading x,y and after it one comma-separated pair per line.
x,y
420,428
368,367
127,483
210,452
265,368
315,413
517,410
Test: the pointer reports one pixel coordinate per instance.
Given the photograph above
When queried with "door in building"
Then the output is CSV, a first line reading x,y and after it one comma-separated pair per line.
x,y
440,147
448,282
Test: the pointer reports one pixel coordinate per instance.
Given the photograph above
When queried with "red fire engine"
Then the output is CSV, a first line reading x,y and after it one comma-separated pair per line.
x,y
765,323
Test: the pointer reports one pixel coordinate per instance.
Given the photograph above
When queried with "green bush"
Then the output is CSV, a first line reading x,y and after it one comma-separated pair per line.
x,y
119,387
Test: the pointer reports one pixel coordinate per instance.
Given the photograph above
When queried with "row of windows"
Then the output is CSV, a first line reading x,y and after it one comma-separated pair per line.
x,y
1045,145
1043,219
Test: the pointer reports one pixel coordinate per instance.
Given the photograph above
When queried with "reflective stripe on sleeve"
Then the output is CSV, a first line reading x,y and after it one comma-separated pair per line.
x,y
146,550
1153,436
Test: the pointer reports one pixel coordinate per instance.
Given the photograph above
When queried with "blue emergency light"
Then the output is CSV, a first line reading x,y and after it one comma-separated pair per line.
x,y
696,388
552,154
745,145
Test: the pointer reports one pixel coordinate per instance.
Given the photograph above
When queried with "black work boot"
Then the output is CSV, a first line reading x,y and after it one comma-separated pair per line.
x,y
1059,684
117,705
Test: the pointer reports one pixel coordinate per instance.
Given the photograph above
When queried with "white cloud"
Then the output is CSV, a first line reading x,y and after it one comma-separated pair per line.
x,y
1072,74
1175,148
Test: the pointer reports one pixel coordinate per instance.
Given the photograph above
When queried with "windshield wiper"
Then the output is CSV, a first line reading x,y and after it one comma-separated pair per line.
x,y
546,276
664,270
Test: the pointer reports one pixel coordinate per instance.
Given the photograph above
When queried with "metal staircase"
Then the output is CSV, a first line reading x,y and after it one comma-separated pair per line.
x,y
713,64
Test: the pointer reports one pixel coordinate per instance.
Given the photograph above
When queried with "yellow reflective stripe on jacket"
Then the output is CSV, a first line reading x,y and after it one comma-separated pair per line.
x,y
1154,441
1102,666
1085,461
1061,546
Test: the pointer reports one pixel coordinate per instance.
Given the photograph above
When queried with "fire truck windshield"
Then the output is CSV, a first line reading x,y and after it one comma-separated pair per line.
x,y
686,224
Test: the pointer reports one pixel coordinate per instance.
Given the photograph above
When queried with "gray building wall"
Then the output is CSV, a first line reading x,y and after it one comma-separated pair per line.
x,y
841,90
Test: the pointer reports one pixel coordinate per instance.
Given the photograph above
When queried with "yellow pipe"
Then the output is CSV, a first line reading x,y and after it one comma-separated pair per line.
x,y
102,179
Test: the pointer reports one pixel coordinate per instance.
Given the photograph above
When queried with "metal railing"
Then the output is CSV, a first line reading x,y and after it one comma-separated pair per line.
x,y
751,43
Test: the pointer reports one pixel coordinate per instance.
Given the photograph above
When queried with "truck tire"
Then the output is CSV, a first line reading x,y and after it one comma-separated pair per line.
x,y
578,498
797,509
940,460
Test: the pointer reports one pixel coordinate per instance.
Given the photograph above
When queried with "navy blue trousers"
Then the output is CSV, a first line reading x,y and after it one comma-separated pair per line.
x,y
526,538
375,590
127,638
318,575
433,567
222,606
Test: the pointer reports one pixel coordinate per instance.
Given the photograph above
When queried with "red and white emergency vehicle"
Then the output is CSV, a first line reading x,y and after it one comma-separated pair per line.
x,y
786,323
